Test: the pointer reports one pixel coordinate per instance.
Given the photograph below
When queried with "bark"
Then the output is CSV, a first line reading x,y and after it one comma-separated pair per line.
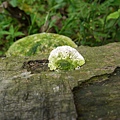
x,y
37,94
98,98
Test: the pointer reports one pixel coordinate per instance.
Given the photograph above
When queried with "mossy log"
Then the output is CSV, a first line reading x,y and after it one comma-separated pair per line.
x,y
37,94
98,98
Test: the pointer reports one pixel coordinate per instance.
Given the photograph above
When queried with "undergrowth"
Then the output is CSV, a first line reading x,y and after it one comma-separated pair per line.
x,y
86,22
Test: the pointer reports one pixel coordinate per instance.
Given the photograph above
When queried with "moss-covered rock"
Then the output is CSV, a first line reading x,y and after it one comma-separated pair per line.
x,y
47,95
38,43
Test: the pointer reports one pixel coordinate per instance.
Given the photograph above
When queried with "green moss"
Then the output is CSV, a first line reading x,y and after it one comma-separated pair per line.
x,y
64,65
38,43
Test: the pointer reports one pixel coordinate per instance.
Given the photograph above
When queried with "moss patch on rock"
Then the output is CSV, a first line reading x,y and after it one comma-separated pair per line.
x,y
38,43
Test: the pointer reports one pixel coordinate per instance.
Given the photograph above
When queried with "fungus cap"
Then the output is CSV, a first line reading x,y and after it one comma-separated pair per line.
x,y
65,58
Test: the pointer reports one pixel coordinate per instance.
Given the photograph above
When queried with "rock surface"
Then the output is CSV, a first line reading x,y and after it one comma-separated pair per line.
x,y
47,95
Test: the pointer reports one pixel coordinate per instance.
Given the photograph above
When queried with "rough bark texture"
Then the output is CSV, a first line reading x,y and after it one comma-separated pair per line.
x,y
38,96
46,95
98,98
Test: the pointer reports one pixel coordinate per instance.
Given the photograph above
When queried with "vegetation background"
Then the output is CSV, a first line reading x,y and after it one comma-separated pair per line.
x,y
86,22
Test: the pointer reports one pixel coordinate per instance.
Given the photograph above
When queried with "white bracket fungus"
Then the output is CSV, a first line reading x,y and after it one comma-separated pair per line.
x,y
65,58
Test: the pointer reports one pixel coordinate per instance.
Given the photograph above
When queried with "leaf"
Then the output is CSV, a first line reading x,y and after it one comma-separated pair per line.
x,y
58,1
4,33
11,30
114,15
100,34
110,24
13,3
116,2
18,34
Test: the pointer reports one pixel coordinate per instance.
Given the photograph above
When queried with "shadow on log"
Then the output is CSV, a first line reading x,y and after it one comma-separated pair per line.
x,y
98,98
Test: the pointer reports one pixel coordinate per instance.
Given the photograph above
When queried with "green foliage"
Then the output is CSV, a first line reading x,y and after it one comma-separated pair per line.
x,y
90,24
114,15
8,33
87,22
11,33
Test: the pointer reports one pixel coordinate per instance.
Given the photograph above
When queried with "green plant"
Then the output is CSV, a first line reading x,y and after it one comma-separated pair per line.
x,y
114,15
8,33
89,25
87,22
11,34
